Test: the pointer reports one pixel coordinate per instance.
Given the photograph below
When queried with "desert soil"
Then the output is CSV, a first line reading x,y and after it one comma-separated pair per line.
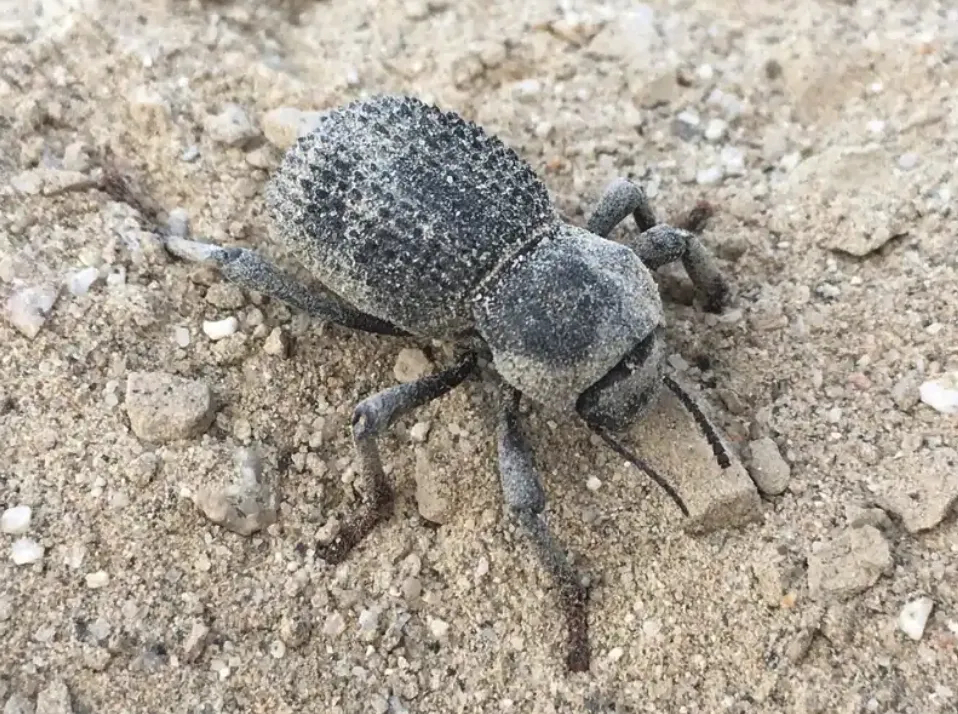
x,y
826,135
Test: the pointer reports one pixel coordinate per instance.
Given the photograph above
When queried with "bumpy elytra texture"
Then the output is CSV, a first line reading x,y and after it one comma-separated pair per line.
x,y
421,219
402,209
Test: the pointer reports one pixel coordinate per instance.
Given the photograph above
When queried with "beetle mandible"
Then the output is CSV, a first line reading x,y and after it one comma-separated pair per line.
x,y
417,222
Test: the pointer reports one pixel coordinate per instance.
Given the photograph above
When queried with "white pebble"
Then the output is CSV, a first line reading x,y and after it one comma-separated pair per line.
x,y
438,628
689,118
419,431
97,580
594,483
913,617
16,520
335,625
716,129
876,126
733,159
705,72
615,654
709,176
277,649
80,282
908,160
218,329
941,394
25,551
28,308
181,335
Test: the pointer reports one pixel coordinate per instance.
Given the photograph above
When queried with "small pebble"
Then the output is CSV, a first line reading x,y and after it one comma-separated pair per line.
x,y
709,176
335,625
277,649
54,699
733,160
411,364
438,628
941,394
768,469
16,520
284,125
277,343
593,483
164,407
178,223
876,126
80,282
232,126
25,551
715,130
914,616
220,329
908,160
98,579
247,502
419,431
28,309
181,336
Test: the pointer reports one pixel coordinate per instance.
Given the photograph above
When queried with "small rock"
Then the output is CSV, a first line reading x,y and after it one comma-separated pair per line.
x,y
941,394
54,699
768,469
431,498
419,431
593,483
733,161
247,504
25,551
710,176
914,616
908,161
181,336
178,223
411,590
294,631
284,125
850,564
220,329
51,182
923,490
335,625
163,407
411,364
368,625
80,282
277,343
439,629
16,520
798,648
28,309
97,580
232,126
226,296
906,393
715,130
76,157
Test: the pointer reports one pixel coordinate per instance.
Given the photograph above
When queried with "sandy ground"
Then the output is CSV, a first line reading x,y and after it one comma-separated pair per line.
x,y
825,132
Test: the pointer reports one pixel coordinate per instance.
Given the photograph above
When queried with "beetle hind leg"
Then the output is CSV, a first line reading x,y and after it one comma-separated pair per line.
x,y
659,243
525,497
371,418
252,271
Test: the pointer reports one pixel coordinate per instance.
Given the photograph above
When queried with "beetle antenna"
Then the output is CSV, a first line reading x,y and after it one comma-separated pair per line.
x,y
641,465
704,424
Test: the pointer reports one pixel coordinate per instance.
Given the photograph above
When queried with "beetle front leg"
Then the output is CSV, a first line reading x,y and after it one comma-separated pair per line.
x,y
525,497
250,270
371,418
660,243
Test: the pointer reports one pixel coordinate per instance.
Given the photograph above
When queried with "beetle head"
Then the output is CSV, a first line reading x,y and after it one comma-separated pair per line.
x,y
574,324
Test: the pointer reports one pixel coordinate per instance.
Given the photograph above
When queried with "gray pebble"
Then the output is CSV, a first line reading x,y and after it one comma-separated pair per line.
x,y
28,309
908,161
232,126
768,469
163,407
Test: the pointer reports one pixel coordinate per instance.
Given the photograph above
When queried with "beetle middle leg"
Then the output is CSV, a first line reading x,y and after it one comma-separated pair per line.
x,y
525,497
660,243
253,272
371,418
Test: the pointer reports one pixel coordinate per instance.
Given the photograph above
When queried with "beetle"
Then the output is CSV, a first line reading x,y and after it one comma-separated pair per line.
x,y
416,222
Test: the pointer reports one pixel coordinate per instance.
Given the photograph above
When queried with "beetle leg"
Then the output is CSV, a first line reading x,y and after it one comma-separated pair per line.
x,y
253,272
371,418
525,497
660,243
